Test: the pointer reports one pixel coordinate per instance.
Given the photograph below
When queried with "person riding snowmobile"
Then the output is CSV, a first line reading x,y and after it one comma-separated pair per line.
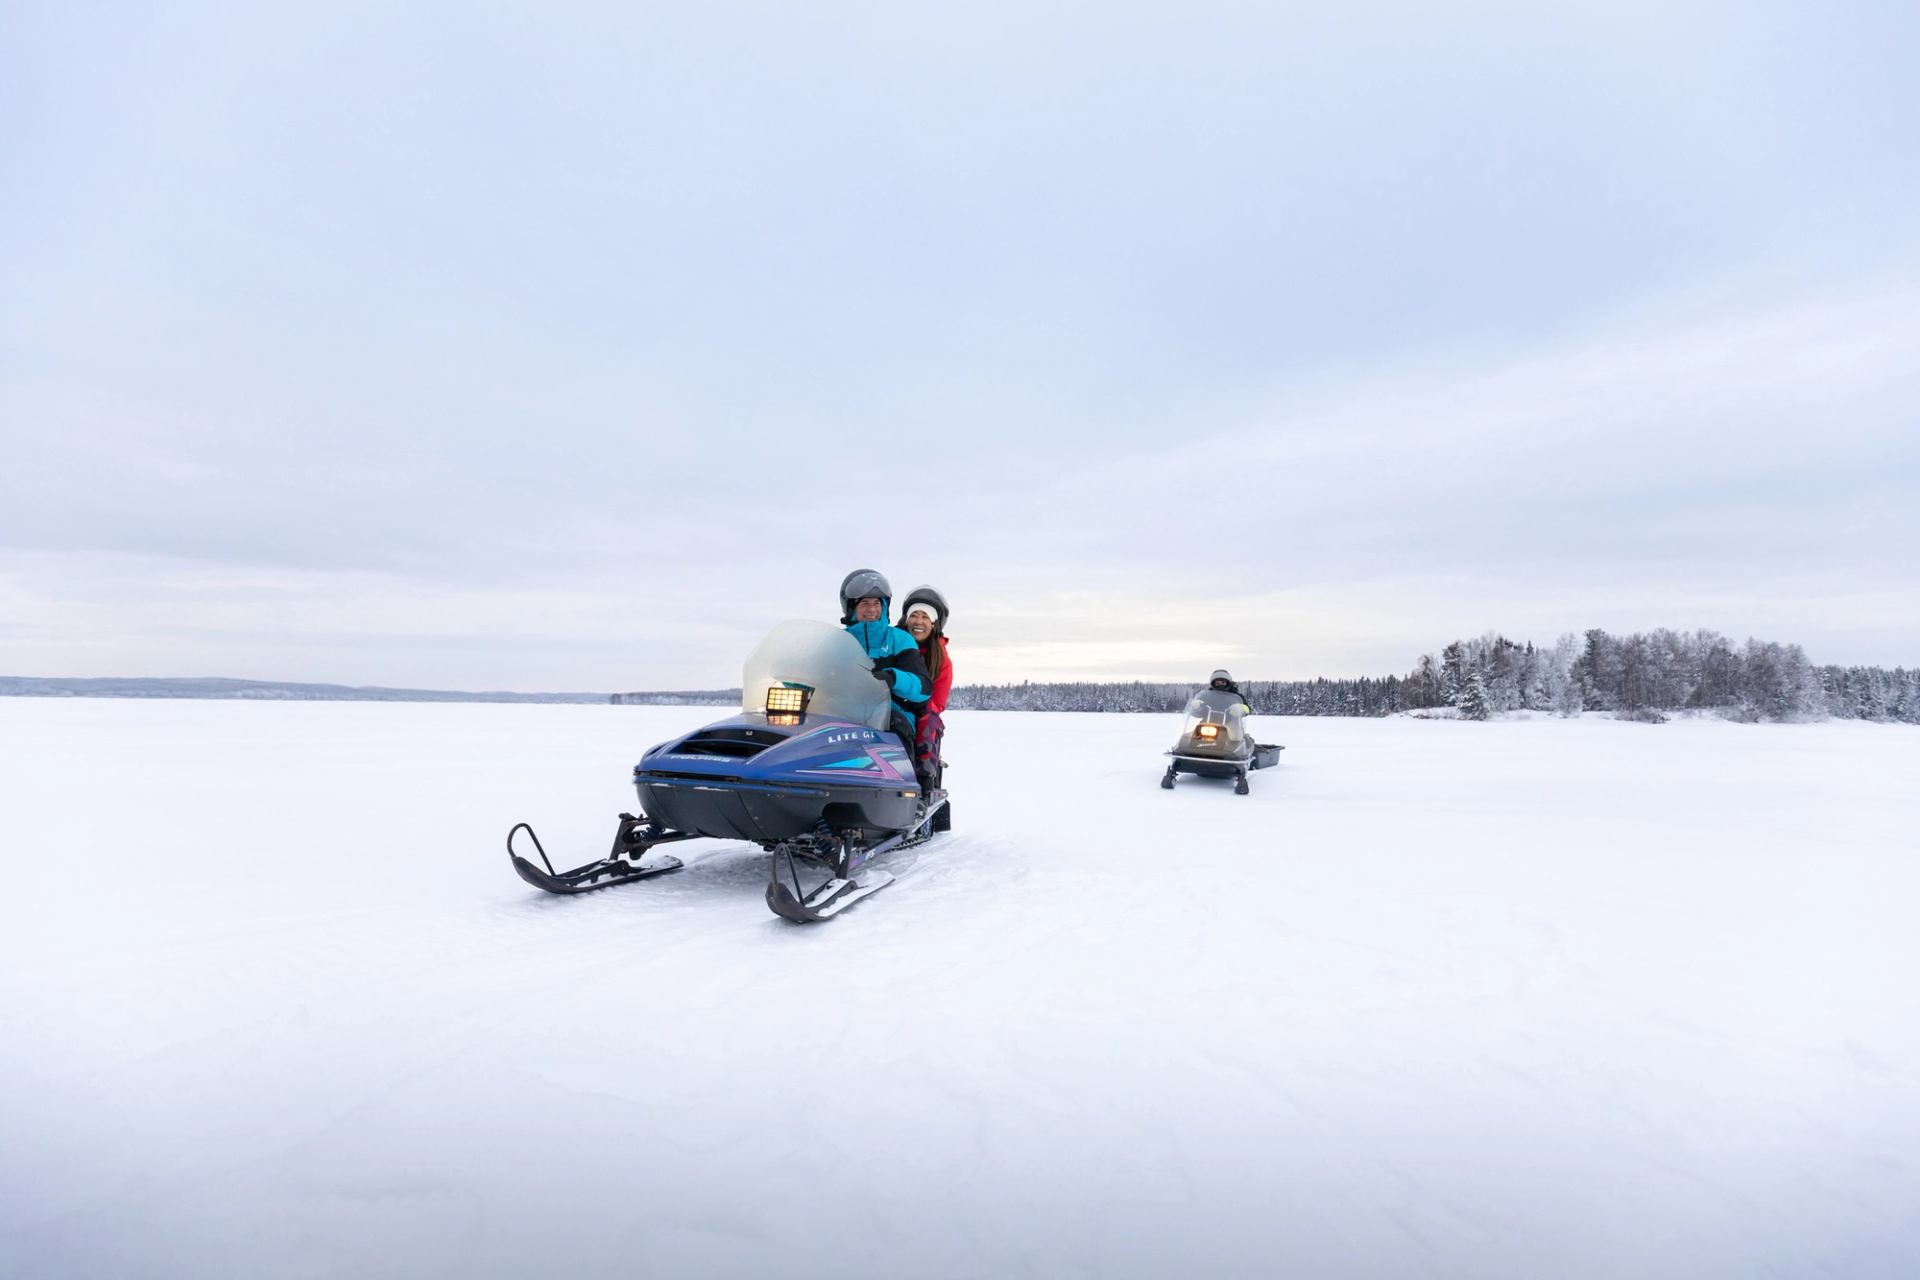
x,y
864,598
1223,681
924,615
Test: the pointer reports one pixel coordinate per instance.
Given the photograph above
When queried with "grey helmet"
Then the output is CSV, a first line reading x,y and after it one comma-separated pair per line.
x,y
933,600
860,584
1218,676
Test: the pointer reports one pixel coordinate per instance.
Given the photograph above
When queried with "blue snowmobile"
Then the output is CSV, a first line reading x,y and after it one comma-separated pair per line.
x,y
810,770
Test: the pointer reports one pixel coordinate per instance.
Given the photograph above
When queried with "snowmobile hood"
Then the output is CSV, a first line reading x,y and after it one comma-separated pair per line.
x,y
747,749
745,779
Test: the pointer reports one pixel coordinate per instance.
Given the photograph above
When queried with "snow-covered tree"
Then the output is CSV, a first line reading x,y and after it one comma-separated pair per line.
x,y
1453,672
1474,703
1563,687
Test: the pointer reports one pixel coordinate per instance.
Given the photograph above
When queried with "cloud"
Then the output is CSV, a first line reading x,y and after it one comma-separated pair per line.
x,y
1717,462
1743,436
1345,327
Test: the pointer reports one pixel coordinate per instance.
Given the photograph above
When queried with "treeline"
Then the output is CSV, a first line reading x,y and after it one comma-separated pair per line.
x,y
679,698
1365,696
1647,675
1362,697
1640,676
220,687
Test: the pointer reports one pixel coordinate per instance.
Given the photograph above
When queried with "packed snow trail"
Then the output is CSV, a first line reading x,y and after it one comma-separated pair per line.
x,y
1521,998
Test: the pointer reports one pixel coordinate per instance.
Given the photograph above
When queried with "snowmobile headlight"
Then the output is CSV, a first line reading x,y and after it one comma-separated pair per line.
x,y
787,703
1207,732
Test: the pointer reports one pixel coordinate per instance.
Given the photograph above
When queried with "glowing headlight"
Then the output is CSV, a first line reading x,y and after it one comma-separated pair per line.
x,y
788,697
1207,732
786,703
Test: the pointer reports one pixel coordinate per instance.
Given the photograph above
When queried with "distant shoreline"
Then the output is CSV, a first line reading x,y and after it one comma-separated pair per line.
x,y
222,688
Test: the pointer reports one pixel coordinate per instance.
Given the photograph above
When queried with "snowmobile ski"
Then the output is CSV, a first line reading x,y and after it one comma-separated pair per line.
x,y
630,859
826,902
850,879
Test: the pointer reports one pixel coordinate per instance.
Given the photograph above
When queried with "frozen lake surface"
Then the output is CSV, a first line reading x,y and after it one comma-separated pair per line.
x,y
1531,998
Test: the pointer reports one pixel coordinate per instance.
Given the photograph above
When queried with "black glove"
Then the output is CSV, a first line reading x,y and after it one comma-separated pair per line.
x,y
884,676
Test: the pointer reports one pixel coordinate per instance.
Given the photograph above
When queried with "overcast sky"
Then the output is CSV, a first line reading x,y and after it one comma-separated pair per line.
x,y
563,346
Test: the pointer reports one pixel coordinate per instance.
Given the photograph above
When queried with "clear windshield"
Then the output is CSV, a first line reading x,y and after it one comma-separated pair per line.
x,y
825,659
1225,711
1217,702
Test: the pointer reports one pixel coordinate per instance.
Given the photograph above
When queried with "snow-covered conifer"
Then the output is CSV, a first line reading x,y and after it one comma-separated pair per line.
x,y
1474,703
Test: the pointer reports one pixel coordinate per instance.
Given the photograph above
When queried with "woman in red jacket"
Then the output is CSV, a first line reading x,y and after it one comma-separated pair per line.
x,y
925,618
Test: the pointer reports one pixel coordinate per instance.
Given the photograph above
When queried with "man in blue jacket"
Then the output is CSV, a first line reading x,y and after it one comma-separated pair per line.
x,y
865,596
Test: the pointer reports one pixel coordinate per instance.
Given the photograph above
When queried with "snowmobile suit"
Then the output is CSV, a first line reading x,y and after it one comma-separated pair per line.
x,y
897,660
1221,680
932,728
942,683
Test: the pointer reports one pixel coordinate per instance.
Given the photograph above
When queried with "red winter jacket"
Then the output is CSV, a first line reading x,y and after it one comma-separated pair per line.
x,y
942,683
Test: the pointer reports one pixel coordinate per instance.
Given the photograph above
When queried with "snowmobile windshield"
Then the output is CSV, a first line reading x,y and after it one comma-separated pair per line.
x,y
1217,705
1216,724
814,669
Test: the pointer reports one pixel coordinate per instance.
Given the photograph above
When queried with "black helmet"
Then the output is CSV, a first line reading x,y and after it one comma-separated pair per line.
x,y
930,598
860,584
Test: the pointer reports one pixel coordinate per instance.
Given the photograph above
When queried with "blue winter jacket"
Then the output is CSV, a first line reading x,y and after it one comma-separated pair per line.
x,y
897,659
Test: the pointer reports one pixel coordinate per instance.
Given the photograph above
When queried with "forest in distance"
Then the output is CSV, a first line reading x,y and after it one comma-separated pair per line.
x,y
1642,676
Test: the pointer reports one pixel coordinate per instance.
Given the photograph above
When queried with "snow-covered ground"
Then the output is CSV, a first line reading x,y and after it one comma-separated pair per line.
x,y
1521,999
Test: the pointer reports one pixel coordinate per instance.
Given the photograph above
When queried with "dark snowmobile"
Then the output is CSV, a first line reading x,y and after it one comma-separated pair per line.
x,y
1215,743
809,770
